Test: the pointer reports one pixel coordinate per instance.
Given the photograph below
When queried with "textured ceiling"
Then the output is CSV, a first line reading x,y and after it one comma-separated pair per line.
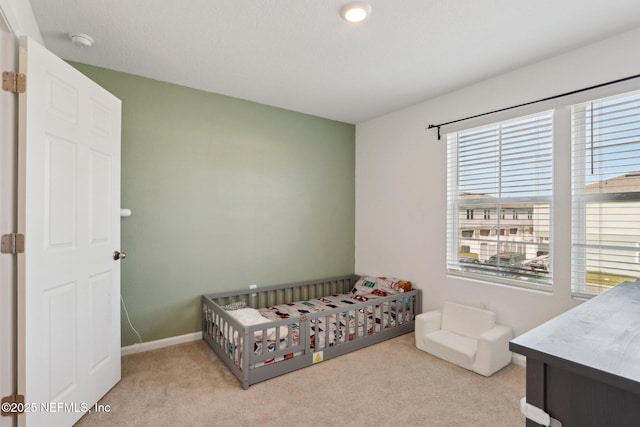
x,y
300,55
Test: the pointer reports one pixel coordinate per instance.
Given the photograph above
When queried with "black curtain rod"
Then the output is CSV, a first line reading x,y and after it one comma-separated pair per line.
x,y
534,102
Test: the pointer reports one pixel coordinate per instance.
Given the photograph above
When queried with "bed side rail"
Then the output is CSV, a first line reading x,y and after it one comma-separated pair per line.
x,y
224,333
363,319
241,346
281,339
287,293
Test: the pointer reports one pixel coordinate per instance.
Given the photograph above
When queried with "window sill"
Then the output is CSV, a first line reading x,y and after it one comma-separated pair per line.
x,y
501,281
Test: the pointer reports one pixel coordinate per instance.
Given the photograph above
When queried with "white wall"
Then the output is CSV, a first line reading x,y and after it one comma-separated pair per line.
x,y
401,183
20,18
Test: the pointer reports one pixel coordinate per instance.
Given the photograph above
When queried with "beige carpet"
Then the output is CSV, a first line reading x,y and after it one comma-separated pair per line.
x,y
391,383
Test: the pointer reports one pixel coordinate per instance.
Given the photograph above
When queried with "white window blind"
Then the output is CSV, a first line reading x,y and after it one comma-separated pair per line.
x,y
605,193
499,192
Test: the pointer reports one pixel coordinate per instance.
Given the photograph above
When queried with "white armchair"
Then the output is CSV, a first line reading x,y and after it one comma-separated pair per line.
x,y
466,336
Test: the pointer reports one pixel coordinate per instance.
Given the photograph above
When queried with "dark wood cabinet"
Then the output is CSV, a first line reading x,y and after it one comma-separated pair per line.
x,y
583,367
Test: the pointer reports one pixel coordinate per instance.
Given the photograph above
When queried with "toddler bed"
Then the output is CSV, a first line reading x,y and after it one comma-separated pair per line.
x,y
265,332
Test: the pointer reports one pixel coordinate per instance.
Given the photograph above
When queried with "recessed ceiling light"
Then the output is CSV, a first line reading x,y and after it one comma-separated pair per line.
x,y
356,11
81,40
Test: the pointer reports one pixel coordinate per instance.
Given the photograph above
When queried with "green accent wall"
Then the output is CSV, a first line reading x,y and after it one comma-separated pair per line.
x,y
225,193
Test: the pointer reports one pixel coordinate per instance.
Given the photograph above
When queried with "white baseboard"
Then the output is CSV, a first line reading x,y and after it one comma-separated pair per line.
x,y
518,359
165,342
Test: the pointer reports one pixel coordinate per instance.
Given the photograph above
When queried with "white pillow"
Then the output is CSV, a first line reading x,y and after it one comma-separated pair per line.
x,y
366,286
251,316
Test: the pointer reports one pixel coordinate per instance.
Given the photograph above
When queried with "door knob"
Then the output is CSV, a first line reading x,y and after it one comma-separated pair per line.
x,y
117,255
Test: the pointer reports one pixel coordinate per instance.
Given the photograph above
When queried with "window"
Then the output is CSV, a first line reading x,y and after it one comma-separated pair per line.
x,y
469,213
505,166
605,193
487,214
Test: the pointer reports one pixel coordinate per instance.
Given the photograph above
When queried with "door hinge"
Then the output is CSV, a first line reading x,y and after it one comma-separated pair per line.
x,y
12,405
14,82
12,243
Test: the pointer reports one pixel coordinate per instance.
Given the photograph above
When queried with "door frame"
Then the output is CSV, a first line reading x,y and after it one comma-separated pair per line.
x,y
16,18
8,219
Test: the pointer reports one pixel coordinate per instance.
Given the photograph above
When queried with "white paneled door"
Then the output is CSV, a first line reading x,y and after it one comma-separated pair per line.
x,y
68,211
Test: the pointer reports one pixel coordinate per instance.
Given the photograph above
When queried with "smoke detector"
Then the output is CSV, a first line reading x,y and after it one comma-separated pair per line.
x,y
81,40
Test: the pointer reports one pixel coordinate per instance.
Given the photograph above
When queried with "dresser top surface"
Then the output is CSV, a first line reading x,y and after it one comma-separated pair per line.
x,y
601,335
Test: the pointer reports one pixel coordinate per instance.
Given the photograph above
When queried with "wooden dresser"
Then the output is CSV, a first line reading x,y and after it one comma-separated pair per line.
x,y
583,367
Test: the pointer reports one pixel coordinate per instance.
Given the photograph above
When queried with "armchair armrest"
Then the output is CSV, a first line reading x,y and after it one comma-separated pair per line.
x,y
493,350
426,323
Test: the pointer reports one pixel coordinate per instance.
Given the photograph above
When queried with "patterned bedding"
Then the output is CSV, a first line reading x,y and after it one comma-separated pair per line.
x,y
376,317
340,325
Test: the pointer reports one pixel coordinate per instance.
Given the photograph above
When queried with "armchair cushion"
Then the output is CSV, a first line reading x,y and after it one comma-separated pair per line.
x,y
453,347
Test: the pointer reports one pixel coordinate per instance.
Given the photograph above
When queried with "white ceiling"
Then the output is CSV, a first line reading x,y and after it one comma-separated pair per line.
x,y
300,55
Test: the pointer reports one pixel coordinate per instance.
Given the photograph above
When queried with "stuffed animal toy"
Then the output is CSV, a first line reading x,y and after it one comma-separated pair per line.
x,y
405,285
379,286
